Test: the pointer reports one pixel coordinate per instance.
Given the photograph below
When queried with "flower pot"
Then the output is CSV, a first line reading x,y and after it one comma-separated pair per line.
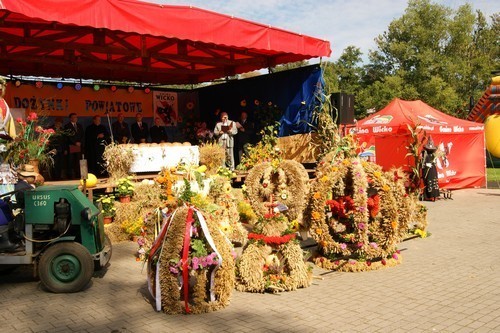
x,y
35,164
108,219
124,199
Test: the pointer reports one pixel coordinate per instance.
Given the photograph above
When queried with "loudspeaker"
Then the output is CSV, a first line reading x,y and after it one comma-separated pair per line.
x,y
343,108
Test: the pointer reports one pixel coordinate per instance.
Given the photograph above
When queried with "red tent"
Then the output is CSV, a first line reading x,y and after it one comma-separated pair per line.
x,y
135,41
460,142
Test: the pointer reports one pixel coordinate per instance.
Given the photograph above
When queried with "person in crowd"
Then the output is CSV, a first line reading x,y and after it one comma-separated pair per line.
x,y
157,132
429,171
245,134
203,134
58,143
7,124
96,139
225,130
139,129
121,131
76,137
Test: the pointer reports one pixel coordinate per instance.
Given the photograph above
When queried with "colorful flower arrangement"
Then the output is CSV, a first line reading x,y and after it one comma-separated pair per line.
x,y
31,143
245,211
107,203
190,264
265,150
125,187
358,214
225,172
166,180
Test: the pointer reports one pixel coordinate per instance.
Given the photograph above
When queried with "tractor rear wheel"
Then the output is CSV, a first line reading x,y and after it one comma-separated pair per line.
x,y
65,267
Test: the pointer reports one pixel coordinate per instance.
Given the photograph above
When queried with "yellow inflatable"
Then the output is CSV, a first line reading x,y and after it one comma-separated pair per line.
x,y
492,134
91,180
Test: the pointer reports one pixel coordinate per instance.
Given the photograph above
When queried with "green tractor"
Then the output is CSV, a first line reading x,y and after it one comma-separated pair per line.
x,y
58,231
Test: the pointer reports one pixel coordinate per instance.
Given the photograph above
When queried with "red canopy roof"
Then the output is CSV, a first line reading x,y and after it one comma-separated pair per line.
x,y
138,41
398,114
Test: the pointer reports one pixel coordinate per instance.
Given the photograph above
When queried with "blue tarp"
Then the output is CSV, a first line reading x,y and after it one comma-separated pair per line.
x,y
292,92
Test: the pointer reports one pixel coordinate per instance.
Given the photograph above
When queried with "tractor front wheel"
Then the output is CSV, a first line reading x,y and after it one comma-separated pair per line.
x,y
65,267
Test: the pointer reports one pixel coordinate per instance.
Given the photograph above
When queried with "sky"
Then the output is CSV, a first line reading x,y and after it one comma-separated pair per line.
x,y
341,22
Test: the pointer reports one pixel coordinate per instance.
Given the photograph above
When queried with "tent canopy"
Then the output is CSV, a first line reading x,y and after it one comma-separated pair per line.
x,y
460,160
130,40
399,114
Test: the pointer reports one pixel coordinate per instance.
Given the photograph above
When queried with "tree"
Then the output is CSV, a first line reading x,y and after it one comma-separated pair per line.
x,y
288,66
442,55
349,70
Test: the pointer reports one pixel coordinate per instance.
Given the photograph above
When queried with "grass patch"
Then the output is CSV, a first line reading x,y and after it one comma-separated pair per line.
x,y
493,174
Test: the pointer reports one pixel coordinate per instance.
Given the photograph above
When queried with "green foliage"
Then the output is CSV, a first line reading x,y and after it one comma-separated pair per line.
x,y
225,172
265,116
291,65
198,248
187,194
432,52
264,150
414,148
493,174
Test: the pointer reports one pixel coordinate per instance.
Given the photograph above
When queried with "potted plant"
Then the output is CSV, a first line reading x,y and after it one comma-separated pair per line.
x,y
107,205
125,189
31,145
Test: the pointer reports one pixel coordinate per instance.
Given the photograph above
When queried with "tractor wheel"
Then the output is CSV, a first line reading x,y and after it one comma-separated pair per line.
x,y
107,243
66,267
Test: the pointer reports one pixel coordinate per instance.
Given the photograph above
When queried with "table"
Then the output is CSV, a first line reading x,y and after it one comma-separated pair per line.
x,y
154,158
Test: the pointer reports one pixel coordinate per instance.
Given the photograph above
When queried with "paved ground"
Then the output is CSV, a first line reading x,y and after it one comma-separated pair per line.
x,y
449,282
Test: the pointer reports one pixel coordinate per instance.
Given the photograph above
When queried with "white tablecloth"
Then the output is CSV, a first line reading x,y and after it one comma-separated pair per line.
x,y
152,159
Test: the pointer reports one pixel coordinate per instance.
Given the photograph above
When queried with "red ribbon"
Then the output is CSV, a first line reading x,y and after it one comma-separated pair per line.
x,y
159,240
277,240
185,254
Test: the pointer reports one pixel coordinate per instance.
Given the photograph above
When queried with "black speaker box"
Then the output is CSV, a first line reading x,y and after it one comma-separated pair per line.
x,y
343,108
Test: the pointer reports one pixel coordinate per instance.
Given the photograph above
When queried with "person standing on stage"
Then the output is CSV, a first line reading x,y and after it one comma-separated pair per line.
x,y
225,130
245,134
76,138
121,132
59,144
158,132
139,130
96,139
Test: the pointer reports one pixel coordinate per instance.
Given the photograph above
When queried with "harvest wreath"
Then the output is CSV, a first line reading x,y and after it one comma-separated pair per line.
x,y
190,265
358,214
273,260
286,180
